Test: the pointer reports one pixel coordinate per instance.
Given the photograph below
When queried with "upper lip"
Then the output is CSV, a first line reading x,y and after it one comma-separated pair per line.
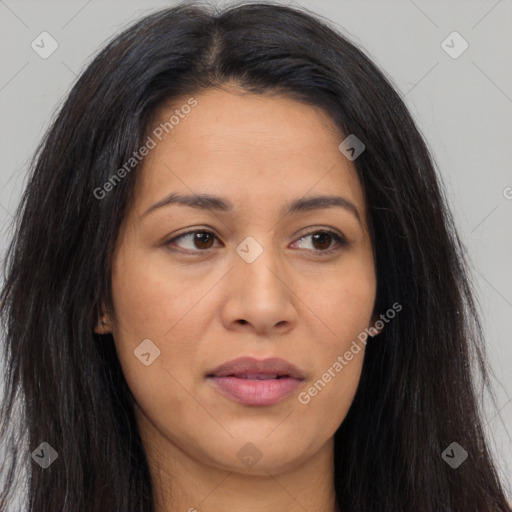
x,y
252,366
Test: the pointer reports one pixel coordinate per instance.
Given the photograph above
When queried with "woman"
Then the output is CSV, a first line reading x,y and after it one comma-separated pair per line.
x,y
236,285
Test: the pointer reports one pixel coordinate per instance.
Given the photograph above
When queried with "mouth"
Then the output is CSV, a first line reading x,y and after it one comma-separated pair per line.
x,y
257,383
255,376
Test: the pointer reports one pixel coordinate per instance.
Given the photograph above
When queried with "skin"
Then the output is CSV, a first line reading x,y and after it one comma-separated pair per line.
x,y
202,309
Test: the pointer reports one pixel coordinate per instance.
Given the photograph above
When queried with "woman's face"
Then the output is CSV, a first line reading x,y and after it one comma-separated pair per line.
x,y
263,282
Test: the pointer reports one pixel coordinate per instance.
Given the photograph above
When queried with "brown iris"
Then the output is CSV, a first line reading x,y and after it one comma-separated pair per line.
x,y
202,238
322,238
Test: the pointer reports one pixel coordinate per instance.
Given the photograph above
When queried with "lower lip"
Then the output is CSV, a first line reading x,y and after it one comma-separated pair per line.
x,y
256,392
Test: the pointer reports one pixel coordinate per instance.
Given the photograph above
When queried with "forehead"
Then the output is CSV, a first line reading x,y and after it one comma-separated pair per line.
x,y
246,146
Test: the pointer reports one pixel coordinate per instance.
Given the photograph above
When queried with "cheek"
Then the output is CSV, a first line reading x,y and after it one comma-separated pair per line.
x,y
150,299
343,305
342,301
151,304
326,399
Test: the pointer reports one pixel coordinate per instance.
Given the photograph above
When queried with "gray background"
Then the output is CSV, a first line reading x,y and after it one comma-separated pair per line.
x,y
463,107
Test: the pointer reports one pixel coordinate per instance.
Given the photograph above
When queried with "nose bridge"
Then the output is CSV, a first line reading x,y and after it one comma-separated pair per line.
x,y
260,262
258,292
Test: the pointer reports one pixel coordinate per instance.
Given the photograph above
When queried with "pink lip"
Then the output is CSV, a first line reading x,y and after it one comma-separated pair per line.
x,y
230,379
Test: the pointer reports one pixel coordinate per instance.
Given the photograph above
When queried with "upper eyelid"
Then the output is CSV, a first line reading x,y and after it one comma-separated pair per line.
x,y
332,231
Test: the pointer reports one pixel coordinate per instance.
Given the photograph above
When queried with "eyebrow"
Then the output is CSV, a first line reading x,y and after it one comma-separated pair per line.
x,y
211,202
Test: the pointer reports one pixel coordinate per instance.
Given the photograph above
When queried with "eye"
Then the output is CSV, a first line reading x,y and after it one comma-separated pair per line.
x,y
322,240
202,240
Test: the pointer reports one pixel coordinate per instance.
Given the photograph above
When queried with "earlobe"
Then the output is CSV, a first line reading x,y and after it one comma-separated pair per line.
x,y
103,324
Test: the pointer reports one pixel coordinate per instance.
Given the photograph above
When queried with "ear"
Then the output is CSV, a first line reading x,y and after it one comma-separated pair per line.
x,y
103,325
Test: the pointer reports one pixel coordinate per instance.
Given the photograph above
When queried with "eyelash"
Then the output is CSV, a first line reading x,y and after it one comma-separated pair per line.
x,y
341,240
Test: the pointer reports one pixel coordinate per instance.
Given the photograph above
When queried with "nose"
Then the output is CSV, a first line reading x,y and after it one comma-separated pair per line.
x,y
260,296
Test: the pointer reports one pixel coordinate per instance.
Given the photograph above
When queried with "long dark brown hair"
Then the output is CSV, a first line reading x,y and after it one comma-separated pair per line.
x,y
419,390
